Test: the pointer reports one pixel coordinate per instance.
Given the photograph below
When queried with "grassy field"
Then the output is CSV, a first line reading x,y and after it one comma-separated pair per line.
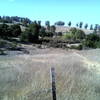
x,y
27,77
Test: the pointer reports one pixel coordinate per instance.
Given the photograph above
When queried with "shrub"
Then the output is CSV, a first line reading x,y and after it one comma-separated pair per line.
x,y
26,36
79,34
68,36
15,30
92,41
31,34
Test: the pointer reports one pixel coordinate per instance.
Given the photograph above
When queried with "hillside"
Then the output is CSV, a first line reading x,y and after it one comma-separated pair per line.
x,y
65,29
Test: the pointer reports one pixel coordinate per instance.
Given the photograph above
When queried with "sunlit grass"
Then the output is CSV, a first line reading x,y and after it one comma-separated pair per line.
x,y
27,77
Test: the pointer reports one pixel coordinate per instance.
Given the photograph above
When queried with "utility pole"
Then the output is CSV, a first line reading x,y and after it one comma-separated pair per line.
x,y
53,83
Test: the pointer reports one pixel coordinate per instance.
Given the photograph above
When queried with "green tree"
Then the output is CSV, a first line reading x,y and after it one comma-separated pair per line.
x,y
92,41
69,24
95,28
4,30
73,30
42,32
60,23
31,34
81,24
52,29
15,30
80,34
77,25
86,26
47,23
91,27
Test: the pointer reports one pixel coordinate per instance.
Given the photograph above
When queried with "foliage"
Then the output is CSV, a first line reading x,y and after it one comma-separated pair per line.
x,y
86,26
81,24
69,24
91,27
95,28
49,34
76,34
15,30
52,29
68,36
47,23
9,31
42,32
79,34
73,30
4,30
15,19
60,23
92,41
31,34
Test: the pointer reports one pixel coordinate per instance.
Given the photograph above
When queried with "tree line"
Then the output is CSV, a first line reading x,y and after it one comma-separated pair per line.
x,y
35,32
15,19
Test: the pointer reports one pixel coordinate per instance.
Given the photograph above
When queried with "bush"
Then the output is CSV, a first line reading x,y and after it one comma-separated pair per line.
x,y
92,41
79,34
68,36
26,36
15,30
76,34
31,34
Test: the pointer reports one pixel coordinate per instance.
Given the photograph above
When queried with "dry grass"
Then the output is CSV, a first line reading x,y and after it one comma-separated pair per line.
x,y
27,77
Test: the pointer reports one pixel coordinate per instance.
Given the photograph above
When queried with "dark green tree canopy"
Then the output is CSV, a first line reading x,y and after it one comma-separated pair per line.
x,y
86,26
60,23
69,24
81,24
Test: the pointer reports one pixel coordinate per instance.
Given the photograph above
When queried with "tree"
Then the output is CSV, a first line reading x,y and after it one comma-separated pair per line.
x,y
52,29
69,24
39,22
81,24
47,23
60,23
99,29
77,34
91,27
4,30
15,30
86,26
31,34
73,30
42,32
80,34
95,28
77,25
92,41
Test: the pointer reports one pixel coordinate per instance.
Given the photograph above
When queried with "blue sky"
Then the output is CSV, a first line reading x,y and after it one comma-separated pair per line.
x,y
87,11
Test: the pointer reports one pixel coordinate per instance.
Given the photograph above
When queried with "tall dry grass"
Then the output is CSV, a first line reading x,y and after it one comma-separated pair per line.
x,y
27,77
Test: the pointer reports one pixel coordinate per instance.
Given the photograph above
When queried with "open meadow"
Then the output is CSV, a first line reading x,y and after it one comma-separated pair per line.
x,y
27,76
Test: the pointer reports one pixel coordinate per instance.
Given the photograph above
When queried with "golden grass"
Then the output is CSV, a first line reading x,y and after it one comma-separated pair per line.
x,y
27,77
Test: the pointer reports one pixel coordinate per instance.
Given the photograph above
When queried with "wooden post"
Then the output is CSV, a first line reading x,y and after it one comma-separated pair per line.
x,y
53,83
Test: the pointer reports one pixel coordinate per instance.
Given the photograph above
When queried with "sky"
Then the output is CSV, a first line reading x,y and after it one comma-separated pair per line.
x,y
87,11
